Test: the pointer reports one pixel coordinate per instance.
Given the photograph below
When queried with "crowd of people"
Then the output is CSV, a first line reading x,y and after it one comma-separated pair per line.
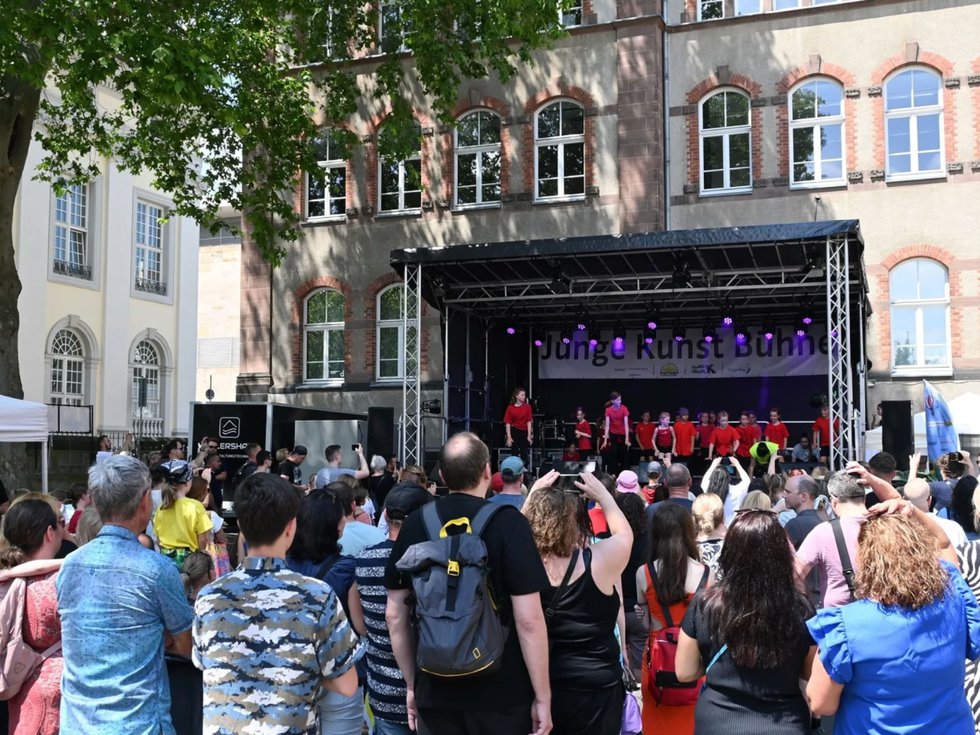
x,y
749,599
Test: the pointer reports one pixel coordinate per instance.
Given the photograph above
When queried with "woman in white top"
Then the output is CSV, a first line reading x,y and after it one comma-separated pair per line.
x,y
717,480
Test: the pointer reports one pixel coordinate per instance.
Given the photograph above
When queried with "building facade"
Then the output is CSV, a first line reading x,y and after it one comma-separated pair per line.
x,y
109,302
789,112
650,115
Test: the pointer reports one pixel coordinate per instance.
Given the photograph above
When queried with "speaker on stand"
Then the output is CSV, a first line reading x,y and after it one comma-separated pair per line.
x,y
380,432
897,433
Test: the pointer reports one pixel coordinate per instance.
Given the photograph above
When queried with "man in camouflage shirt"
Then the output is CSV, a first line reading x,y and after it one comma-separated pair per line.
x,y
267,638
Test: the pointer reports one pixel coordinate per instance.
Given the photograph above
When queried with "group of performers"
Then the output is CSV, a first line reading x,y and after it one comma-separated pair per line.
x,y
623,442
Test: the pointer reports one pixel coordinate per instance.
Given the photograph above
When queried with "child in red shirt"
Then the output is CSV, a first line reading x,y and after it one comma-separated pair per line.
x,y
663,437
705,430
747,436
644,436
583,431
776,431
571,453
684,434
616,439
821,433
518,423
724,439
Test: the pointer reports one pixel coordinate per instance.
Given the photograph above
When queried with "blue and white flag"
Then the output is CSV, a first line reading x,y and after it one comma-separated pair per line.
x,y
941,435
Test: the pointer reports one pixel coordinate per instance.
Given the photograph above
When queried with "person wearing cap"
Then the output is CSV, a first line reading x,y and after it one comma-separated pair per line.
x,y
385,683
512,473
818,550
654,477
627,482
181,525
290,469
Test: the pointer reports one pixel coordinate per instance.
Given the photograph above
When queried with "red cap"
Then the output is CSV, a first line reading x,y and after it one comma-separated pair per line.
x,y
496,483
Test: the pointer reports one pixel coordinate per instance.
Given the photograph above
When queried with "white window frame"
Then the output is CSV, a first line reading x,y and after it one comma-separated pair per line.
x,y
816,123
913,114
574,7
402,183
402,47
164,291
920,368
67,266
560,141
702,4
478,151
326,328
725,133
64,363
153,372
326,166
397,324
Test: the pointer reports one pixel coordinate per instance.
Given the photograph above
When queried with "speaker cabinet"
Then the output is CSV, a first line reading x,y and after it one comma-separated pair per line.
x,y
897,436
381,432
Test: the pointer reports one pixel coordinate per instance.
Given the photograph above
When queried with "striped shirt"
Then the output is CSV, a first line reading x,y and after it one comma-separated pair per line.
x,y
385,683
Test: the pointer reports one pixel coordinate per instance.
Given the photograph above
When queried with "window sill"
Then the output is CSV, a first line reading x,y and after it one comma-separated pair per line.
x,y
77,281
830,184
321,385
396,213
332,219
924,371
463,208
389,384
560,200
905,178
724,192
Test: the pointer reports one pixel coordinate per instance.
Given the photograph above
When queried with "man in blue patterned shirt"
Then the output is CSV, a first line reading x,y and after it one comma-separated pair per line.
x,y
118,601
385,683
267,638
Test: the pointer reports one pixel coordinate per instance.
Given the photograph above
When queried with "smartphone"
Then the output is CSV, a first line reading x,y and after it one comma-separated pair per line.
x,y
355,447
923,464
574,469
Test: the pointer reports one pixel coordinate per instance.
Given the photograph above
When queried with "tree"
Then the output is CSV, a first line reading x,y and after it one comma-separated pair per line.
x,y
219,98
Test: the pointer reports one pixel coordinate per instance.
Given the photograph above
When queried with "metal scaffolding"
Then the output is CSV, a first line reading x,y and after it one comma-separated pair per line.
x,y
840,388
412,449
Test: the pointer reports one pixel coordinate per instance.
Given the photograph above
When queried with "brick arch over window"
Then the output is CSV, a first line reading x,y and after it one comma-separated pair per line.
x,y
299,187
801,74
914,57
371,154
472,103
882,303
695,97
297,325
540,100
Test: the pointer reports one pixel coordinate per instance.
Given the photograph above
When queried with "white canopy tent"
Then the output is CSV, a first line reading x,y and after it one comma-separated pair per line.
x,y
26,421
965,410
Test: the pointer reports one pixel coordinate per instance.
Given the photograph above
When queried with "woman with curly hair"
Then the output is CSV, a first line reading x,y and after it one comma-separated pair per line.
x,y
893,661
749,633
582,603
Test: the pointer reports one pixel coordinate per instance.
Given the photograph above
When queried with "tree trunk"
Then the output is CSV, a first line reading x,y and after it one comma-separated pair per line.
x,y
18,109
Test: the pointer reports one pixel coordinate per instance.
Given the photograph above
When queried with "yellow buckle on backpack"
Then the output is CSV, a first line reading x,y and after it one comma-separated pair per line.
x,y
453,568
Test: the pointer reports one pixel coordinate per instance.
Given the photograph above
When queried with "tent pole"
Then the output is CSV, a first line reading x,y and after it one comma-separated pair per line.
x,y
44,466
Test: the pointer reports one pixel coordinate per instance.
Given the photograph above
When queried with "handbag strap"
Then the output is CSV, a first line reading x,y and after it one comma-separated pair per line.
x,y
550,610
718,654
845,558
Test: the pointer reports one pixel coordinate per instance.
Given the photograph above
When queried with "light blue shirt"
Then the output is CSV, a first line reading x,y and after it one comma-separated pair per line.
x,y
115,599
358,536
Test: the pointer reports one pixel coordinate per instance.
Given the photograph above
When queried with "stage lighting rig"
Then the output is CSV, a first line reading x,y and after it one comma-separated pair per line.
x,y
681,275
679,333
709,334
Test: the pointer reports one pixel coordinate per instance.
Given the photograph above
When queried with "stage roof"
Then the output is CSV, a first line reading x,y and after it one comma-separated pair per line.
x,y
764,271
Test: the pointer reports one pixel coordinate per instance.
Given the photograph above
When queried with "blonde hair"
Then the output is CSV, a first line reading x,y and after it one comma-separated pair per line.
x,y
897,563
555,518
88,526
709,513
195,572
756,500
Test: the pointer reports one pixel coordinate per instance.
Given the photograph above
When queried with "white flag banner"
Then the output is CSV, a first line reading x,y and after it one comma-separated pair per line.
x,y
786,354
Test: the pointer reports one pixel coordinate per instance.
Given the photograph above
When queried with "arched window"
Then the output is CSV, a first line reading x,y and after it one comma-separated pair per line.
x,y
919,295
144,369
914,124
326,187
67,369
559,151
390,332
816,133
323,336
477,159
726,147
400,182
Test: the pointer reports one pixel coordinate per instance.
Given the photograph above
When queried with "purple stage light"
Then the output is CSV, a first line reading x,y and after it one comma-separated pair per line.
x,y
768,335
580,326
728,321
808,320
538,342
801,333
593,342
618,342
566,340
678,337
511,330
648,339
651,325
709,338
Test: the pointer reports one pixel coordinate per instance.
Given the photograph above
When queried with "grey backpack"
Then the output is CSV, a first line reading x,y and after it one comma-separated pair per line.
x,y
459,629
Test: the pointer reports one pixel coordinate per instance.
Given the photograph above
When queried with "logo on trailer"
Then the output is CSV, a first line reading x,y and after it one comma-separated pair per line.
x,y
229,427
669,370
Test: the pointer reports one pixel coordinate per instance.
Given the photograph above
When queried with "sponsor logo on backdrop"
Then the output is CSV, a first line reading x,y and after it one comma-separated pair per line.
x,y
229,427
670,370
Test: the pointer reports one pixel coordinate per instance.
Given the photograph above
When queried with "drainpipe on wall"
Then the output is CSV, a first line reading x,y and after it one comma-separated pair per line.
x,y
666,114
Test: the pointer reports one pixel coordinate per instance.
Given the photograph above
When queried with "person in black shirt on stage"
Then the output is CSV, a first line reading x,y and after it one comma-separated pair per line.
x,y
516,698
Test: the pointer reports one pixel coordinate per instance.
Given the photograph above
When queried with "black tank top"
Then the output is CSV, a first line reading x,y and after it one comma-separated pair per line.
x,y
581,633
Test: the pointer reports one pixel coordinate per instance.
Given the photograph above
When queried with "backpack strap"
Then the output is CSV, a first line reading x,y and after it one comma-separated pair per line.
x,y
431,521
550,610
704,579
483,516
325,566
845,557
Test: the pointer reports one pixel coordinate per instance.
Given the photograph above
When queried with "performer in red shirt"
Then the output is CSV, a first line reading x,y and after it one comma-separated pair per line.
x,y
644,436
776,431
583,431
724,439
571,453
663,437
519,424
747,436
821,433
616,441
684,435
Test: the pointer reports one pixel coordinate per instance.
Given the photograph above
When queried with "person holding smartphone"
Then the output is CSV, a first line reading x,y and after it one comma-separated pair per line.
x,y
335,457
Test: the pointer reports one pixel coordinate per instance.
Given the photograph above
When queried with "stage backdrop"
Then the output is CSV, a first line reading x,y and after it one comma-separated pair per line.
x,y
783,356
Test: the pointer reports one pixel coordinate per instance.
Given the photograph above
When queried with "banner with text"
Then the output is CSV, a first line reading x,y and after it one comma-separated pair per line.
x,y
786,354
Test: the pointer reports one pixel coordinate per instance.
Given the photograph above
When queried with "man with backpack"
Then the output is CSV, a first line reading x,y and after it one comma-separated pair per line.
x,y
486,671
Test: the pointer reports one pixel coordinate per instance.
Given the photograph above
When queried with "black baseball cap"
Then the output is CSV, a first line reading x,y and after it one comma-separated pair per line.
x,y
405,498
300,449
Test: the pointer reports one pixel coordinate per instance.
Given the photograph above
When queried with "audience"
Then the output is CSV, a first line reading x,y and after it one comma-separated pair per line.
x,y
181,525
709,524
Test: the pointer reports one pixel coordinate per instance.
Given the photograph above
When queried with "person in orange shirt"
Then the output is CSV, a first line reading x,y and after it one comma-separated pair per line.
x,y
724,439
644,436
684,435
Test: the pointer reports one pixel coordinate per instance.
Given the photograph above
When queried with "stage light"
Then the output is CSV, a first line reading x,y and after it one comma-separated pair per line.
x,y
710,335
769,333
650,336
511,330
619,332
652,318
538,342
681,276
801,330
679,333
742,334
510,320
581,319
594,336
566,336
727,314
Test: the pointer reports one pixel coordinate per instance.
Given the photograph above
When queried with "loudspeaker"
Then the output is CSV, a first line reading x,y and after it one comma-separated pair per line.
x,y
381,432
897,435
